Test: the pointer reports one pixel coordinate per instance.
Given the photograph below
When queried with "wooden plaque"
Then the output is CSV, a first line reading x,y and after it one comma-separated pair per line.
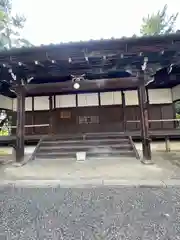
x,y
65,114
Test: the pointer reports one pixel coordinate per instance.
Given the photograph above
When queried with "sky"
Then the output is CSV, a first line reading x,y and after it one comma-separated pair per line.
x,y
55,21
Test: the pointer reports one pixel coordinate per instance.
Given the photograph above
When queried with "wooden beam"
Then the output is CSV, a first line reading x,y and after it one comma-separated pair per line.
x,y
49,88
54,102
99,99
123,110
50,114
76,100
142,96
33,116
20,130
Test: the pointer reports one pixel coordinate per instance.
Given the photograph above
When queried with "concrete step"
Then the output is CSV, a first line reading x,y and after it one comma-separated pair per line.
x,y
88,153
85,142
64,138
106,137
85,136
103,150
98,137
89,156
112,154
95,146
83,147
75,150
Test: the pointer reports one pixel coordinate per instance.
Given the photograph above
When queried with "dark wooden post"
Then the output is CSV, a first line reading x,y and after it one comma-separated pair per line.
x,y
33,116
20,128
124,110
50,114
54,106
142,96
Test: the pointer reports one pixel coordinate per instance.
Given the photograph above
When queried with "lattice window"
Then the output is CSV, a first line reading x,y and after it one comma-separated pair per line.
x,y
88,119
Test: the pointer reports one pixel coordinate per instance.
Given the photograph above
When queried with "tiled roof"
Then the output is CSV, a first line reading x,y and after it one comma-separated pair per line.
x,y
123,40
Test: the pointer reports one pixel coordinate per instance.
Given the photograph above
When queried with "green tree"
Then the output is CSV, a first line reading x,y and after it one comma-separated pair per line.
x,y
158,23
10,27
177,107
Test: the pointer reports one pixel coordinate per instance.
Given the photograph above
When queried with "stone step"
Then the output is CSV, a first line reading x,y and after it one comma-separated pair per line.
x,y
75,150
96,158
95,146
63,138
73,153
87,142
106,137
89,156
86,135
74,138
84,147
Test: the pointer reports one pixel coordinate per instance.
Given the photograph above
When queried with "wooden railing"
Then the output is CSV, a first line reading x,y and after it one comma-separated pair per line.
x,y
134,148
176,123
30,126
155,124
157,120
8,132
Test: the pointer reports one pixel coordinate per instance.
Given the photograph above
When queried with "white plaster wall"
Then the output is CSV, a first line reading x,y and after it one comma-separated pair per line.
x,y
92,99
6,102
117,98
65,101
14,104
81,100
156,96
159,96
38,103
111,98
28,104
131,98
176,93
41,103
88,99
107,98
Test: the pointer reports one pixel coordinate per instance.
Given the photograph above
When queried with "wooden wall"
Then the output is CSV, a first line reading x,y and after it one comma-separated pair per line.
x,y
157,112
97,112
88,119
97,119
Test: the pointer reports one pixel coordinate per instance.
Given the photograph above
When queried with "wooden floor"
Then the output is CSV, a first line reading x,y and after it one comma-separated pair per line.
x,y
136,135
171,133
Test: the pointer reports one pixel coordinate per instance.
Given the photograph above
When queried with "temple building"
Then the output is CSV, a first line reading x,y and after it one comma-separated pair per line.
x,y
125,86
96,111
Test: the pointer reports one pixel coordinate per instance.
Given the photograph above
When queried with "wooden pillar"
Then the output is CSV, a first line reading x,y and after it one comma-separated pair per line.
x,y
54,97
123,110
33,116
147,107
50,114
142,96
20,127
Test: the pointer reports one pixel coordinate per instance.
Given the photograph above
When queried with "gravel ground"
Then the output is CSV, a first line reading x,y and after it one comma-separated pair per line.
x,y
89,213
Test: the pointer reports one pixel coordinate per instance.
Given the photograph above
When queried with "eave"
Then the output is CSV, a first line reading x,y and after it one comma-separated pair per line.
x,y
97,60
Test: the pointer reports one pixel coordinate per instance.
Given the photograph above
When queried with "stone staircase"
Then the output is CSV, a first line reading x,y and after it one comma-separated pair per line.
x,y
95,145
